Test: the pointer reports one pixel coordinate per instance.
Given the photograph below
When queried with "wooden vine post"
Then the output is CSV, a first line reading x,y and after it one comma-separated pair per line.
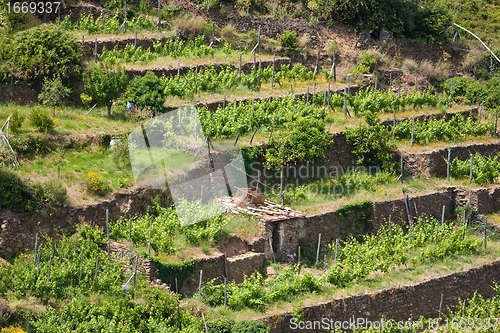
x,y
317,252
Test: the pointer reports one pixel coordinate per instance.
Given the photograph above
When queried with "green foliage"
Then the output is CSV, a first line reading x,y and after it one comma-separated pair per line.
x,y
494,93
166,228
485,170
441,130
41,120
169,271
268,115
305,139
432,22
221,325
372,143
385,101
288,40
105,84
477,313
86,99
354,207
366,63
29,145
5,312
479,16
127,55
230,326
96,184
51,194
148,92
108,25
53,92
196,48
469,91
39,52
452,244
427,20
248,326
390,246
66,271
73,281
16,121
121,154
251,293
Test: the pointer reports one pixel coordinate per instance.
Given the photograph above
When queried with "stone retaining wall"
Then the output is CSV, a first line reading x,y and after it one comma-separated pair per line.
x,y
18,230
400,304
243,264
434,163
289,234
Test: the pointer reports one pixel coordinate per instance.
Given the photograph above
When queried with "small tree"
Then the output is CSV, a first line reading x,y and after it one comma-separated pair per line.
x,y
105,84
289,40
148,92
53,93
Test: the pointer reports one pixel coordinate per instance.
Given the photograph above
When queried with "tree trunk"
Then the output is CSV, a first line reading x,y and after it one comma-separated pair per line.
x,y
109,108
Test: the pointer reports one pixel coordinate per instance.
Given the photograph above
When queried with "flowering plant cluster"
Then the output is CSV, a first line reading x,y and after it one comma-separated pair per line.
x,y
5,311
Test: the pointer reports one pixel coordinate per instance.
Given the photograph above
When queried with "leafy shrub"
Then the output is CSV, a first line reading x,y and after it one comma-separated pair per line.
x,y
15,193
366,63
268,115
372,143
289,41
403,18
466,90
108,25
166,228
148,91
96,184
86,99
305,139
29,145
52,193
16,121
39,52
121,155
53,92
494,93
105,84
41,120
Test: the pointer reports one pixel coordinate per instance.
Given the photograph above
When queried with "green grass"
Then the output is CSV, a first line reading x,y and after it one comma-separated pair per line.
x,y
73,120
243,225
75,165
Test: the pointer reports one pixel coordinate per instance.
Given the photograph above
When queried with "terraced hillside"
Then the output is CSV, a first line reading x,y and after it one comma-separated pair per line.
x,y
245,166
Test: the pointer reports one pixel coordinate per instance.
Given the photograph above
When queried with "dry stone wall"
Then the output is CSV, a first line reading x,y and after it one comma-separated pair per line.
x,y
434,163
287,235
400,304
243,265
18,230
